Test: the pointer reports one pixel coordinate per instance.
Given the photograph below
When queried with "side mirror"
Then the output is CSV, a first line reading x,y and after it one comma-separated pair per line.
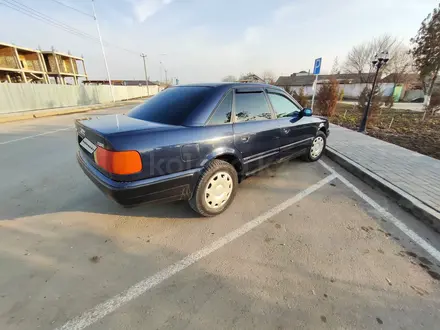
x,y
307,112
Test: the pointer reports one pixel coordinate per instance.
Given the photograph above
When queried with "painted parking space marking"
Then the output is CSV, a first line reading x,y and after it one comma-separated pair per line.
x,y
388,216
98,312
34,136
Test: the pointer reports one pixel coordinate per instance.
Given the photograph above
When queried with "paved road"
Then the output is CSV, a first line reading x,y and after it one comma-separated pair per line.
x,y
298,249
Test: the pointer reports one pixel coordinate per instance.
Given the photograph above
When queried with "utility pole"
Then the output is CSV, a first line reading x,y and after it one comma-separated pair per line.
x,y
145,70
103,50
166,76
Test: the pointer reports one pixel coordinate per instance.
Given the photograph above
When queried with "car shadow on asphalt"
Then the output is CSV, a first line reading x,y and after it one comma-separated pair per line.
x,y
75,193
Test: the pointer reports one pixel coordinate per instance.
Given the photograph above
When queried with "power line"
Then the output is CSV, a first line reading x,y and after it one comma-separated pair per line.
x,y
73,8
26,10
44,18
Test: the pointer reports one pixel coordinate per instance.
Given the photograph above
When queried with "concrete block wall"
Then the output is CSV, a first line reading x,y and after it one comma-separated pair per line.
x,y
350,90
27,97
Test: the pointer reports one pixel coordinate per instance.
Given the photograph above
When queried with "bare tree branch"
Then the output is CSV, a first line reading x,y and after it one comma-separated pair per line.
x,y
229,78
360,56
269,77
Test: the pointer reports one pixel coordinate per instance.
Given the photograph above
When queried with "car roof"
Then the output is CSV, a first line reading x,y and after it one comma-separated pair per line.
x,y
229,84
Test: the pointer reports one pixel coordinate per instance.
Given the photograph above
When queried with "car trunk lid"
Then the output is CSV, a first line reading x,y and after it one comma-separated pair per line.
x,y
103,131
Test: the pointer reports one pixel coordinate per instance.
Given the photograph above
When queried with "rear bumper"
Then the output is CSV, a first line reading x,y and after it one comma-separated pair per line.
x,y
176,186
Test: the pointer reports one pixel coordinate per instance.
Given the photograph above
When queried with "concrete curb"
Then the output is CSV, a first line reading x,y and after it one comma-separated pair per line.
x,y
4,118
408,202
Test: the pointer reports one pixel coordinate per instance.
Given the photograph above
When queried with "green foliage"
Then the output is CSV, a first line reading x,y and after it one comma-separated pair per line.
x,y
327,97
426,50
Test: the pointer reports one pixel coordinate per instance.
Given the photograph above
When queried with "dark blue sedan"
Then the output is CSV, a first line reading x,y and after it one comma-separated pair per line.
x,y
196,143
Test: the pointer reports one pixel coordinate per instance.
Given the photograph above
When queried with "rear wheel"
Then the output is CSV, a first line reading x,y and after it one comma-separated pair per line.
x,y
316,150
216,189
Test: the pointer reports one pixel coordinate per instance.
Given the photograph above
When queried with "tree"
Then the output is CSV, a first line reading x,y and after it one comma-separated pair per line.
x,y
245,76
426,52
327,97
400,65
269,77
376,101
301,97
360,56
399,69
229,78
335,68
288,89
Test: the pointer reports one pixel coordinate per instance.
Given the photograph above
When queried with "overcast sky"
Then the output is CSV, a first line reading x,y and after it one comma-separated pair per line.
x,y
205,40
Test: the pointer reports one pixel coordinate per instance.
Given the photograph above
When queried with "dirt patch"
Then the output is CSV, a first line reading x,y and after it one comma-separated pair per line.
x,y
404,128
95,259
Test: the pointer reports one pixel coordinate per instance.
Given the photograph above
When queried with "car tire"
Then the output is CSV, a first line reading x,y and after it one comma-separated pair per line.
x,y
314,153
222,195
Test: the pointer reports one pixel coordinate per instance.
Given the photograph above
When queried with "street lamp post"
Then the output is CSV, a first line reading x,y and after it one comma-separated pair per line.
x,y
378,62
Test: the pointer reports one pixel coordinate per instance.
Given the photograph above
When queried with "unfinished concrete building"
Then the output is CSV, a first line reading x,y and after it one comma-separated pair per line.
x,y
61,67
25,65
21,65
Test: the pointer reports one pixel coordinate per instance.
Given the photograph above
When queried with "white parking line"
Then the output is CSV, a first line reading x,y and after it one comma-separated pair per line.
x,y
388,216
109,306
33,136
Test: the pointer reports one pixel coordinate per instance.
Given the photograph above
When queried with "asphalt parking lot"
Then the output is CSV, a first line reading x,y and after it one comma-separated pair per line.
x,y
303,246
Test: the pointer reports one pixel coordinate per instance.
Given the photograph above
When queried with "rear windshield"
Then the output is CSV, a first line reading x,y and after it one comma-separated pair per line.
x,y
171,106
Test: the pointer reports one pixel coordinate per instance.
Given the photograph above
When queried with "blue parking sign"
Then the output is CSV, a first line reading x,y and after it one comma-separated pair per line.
x,y
317,66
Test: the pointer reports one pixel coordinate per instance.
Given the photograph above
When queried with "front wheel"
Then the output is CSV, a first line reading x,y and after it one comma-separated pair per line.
x,y
315,151
216,189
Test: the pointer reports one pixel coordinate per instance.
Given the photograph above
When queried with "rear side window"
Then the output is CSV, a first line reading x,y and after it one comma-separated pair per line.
x,y
251,106
171,106
222,114
282,105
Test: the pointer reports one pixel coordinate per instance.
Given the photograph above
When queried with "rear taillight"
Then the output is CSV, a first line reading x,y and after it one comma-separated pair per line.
x,y
118,162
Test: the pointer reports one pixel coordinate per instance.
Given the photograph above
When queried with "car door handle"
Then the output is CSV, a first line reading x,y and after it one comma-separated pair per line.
x,y
245,139
286,130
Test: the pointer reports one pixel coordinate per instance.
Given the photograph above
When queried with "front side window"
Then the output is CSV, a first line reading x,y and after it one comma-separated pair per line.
x,y
222,114
251,106
283,106
171,106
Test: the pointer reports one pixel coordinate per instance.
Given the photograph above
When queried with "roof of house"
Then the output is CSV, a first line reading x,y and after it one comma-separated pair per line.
x,y
2,44
251,77
404,77
231,84
50,52
306,80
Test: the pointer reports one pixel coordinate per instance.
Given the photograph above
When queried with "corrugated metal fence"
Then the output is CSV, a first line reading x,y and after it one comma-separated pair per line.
x,y
26,97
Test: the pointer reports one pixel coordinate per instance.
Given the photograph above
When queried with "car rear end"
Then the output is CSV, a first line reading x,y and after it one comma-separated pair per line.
x,y
136,158
109,169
